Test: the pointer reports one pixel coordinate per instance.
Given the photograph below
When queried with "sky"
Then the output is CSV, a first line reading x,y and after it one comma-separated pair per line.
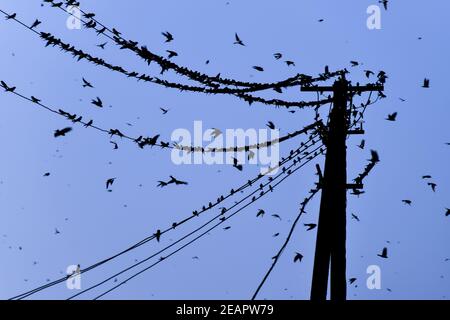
x,y
94,224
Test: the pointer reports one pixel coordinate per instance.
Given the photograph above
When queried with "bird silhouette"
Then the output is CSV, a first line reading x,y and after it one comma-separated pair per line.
x,y
6,87
351,280
62,132
290,63
57,231
35,100
157,235
168,36
35,24
426,83
164,111
426,177
383,254
176,181
97,102
447,213
171,54
354,63
276,216
260,213
238,41
354,216
369,73
110,182
47,174
116,146
433,186
392,117
86,84
310,226
406,201
270,125
89,124
362,144
102,45
384,3
11,16
237,165
277,55
298,257
258,68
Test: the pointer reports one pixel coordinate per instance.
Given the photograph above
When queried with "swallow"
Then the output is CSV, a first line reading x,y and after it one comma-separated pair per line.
x,y
171,54
270,125
426,177
351,280
47,174
35,100
116,146
97,102
354,216
298,257
310,226
62,132
238,41
168,36
89,124
385,4
290,63
237,165
86,84
426,83
276,216
362,144
110,182
258,68
447,213
11,16
392,117
383,254
157,235
354,63
215,133
369,73
408,202
102,45
432,185
6,87
164,111
277,55
35,24
260,213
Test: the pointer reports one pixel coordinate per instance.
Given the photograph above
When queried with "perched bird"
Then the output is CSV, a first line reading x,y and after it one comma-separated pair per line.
x,y
258,68
260,213
433,186
168,36
298,257
62,132
171,54
6,87
408,202
110,182
426,83
238,40
383,254
270,125
310,226
86,84
157,235
392,117
11,16
35,24
97,102
88,124
354,216
102,45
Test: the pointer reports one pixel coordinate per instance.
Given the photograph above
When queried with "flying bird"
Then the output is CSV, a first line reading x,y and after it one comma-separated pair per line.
x,y
62,132
369,73
86,84
354,63
168,36
171,54
384,3
362,144
238,40
426,83
406,201
298,257
447,213
392,117
110,182
383,254
276,216
270,125
290,63
310,226
258,68
47,174
35,24
102,45
354,216
277,56
351,280
164,111
116,146
426,177
260,213
97,102
433,186
176,181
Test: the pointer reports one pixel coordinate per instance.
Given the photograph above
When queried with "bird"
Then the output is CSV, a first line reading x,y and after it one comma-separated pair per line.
x,y
383,254
86,84
321,20
384,3
290,63
57,231
176,181
433,186
116,146
298,257
369,73
276,216
354,216
260,213
238,40
426,83
168,36
351,280
97,102
47,174
62,132
215,133
270,125
277,55
102,45
88,124
276,234
164,111
237,165
35,24
11,16
110,182
35,100
157,235
362,144
171,54
6,87
406,201
392,117
447,213
354,63
258,68
310,226
426,177
162,184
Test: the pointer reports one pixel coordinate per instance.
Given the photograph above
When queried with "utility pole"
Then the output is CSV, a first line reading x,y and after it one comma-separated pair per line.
x,y
331,233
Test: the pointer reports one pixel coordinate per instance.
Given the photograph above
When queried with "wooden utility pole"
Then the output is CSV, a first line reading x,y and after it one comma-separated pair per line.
x,y
331,233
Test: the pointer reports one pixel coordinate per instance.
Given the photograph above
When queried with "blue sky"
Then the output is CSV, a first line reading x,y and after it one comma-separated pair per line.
x,y
95,224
